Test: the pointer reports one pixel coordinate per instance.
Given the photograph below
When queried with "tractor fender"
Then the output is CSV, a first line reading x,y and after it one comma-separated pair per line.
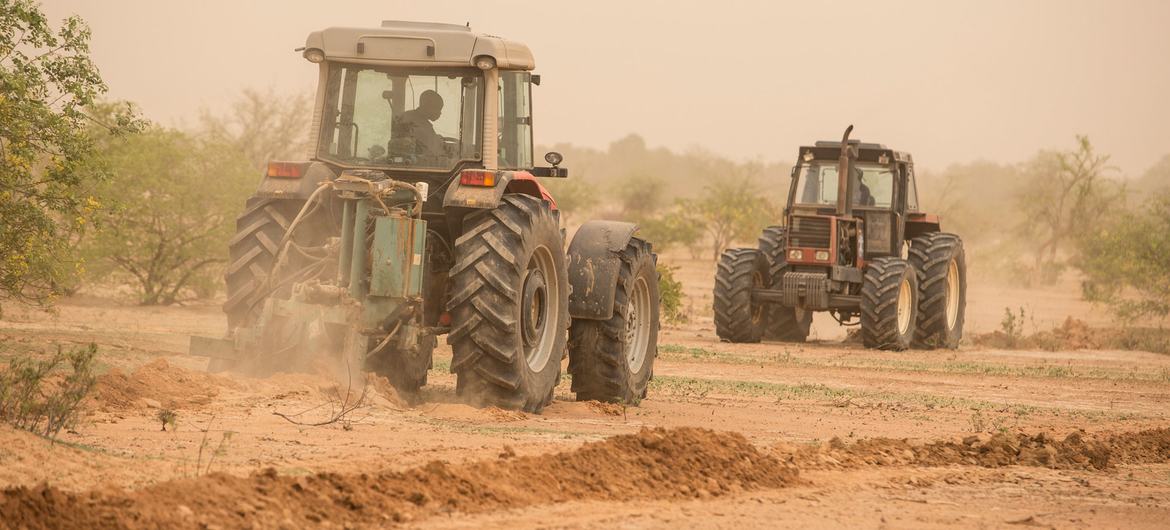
x,y
485,198
594,266
312,175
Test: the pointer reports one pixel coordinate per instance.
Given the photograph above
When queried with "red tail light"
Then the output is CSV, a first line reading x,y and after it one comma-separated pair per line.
x,y
288,170
477,177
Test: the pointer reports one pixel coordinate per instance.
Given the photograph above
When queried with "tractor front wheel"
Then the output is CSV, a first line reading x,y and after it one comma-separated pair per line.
x,y
612,360
789,324
889,304
942,286
737,317
509,305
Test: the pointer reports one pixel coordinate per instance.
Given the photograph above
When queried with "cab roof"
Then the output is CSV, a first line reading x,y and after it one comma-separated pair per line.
x,y
866,152
398,42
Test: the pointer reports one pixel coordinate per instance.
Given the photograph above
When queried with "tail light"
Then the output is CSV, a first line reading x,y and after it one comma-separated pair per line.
x,y
478,177
287,170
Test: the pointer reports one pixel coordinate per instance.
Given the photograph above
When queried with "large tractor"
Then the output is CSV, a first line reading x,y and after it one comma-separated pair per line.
x,y
419,213
854,243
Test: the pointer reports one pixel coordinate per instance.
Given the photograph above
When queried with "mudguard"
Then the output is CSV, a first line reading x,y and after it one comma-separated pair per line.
x,y
482,197
594,265
313,174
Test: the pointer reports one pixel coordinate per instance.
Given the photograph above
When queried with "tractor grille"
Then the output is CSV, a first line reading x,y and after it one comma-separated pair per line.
x,y
809,232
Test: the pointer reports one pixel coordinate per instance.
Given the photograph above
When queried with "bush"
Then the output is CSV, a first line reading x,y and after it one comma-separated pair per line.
x,y
1126,261
33,399
675,228
670,295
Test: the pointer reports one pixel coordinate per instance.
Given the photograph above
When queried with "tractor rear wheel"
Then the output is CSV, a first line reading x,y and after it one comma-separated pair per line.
x,y
509,305
737,317
612,360
789,324
251,253
889,304
250,258
942,285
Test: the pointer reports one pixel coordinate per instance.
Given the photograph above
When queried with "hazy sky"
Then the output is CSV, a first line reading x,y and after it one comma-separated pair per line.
x,y
949,81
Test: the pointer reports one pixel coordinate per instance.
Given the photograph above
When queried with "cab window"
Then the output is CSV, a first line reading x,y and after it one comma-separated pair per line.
x,y
515,120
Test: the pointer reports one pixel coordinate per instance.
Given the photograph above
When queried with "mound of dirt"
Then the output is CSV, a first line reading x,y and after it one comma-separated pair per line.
x,y
156,384
1075,451
658,463
1075,334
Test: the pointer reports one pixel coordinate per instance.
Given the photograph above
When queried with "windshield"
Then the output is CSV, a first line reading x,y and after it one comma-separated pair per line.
x,y
817,184
410,118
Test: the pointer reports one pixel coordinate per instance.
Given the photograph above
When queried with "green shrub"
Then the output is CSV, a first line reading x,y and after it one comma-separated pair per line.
x,y
670,295
34,399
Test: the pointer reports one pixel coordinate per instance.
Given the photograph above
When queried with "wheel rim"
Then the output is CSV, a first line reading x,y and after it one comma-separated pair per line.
x,y
952,294
540,305
757,309
638,325
905,303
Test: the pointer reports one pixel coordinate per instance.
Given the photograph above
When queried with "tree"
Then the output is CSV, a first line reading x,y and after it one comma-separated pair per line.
x,y
263,126
676,227
641,196
1126,260
1067,193
1155,179
174,200
735,208
47,81
574,197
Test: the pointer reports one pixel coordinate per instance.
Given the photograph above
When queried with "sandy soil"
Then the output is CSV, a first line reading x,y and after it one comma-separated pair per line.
x,y
798,437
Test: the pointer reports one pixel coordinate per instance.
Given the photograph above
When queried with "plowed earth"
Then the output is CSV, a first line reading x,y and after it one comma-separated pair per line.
x,y
731,436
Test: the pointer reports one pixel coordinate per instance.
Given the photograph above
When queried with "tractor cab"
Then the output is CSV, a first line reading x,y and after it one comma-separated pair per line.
x,y
835,221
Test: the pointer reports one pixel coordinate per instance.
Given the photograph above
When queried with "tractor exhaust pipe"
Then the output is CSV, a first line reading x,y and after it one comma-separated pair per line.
x,y
844,183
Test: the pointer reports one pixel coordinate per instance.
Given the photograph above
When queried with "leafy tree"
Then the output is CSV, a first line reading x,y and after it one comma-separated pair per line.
x,y
1126,260
674,228
1067,193
174,197
735,208
641,196
574,196
263,126
1155,179
47,80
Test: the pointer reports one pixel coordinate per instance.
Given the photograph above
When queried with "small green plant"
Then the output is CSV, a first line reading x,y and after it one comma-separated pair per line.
x,y
168,418
205,445
978,422
35,398
1012,326
670,295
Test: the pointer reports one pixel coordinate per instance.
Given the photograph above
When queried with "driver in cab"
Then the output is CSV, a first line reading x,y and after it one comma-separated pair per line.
x,y
417,124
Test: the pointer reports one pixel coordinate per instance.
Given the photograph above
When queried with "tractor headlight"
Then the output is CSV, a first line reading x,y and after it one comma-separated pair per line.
x,y
313,55
485,62
796,254
822,255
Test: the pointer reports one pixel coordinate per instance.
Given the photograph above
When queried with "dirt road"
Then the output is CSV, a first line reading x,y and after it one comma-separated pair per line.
x,y
794,440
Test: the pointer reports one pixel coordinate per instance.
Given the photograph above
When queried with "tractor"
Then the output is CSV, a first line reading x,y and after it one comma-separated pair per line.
x,y
853,243
418,213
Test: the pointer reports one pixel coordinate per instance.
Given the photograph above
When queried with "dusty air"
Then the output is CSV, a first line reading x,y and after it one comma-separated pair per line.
x,y
378,266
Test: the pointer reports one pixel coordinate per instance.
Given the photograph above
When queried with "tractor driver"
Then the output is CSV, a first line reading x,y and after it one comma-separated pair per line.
x,y
416,124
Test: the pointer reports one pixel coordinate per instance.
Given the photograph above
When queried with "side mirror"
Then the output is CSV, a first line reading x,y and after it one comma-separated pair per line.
x,y
553,158
536,79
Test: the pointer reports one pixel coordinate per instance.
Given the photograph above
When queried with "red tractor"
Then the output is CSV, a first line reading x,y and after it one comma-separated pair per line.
x,y
854,243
